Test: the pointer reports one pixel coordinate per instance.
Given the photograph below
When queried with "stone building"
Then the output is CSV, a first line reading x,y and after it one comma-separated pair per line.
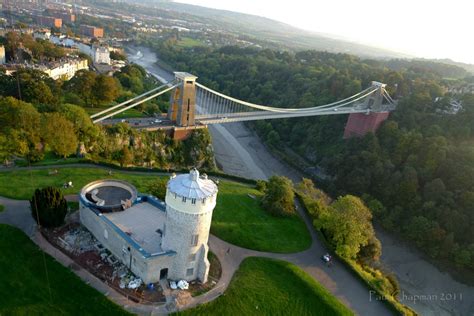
x,y
155,239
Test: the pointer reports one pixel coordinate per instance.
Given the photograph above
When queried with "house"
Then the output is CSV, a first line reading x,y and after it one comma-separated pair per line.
x,y
101,55
64,69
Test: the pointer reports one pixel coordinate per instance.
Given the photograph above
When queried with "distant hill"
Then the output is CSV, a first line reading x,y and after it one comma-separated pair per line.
x,y
279,33
468,67
442,68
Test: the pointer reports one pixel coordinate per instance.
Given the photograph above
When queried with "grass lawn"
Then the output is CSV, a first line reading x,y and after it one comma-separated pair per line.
x,y
50,159
271,287
24,286
238,218
188,42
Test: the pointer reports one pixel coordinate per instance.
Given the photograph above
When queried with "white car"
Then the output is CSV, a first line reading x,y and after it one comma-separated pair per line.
x,y
157,121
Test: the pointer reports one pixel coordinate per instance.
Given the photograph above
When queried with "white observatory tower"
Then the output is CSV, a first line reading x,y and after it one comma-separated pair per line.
x,y
190,200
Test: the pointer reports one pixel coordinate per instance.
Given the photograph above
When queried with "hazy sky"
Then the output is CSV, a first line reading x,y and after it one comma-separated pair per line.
x,y
424,28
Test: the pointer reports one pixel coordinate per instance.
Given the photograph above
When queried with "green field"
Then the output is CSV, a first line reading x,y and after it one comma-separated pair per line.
x,y
238,218
24,286
271,287
188,42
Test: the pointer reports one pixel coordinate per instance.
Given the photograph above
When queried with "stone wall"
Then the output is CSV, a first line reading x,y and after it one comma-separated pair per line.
x,y
179,230
147,268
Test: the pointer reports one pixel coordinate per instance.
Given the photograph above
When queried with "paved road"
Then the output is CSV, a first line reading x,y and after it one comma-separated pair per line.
x,y
17,213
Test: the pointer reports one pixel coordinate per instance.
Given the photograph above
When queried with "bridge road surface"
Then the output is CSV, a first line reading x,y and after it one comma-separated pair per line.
x,y
233,157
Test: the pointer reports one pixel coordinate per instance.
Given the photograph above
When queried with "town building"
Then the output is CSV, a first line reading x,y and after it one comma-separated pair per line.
x,y
42,34
2,55
49,21
65,69
66,16
100,55
92,31
155,239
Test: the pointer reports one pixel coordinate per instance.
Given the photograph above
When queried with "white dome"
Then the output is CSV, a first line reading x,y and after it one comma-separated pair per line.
x,y
192,186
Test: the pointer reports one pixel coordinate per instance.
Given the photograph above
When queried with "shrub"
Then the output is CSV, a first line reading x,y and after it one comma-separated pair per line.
x,y
48,207
261,185
158,188
279,197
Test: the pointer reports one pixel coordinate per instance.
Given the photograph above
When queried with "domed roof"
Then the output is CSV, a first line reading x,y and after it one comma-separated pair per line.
x,y
192,186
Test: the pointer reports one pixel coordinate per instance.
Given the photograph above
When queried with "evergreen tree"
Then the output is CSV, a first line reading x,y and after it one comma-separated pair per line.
x,y
48,207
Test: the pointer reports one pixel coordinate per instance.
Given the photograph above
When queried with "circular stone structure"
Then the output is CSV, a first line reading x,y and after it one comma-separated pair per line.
x,y
190,201
108,195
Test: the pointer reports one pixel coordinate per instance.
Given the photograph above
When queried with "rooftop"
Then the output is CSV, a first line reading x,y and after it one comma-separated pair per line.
x,y
192,185
142,223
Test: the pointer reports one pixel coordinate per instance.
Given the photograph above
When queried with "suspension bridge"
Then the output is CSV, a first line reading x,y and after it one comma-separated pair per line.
x,y
193,105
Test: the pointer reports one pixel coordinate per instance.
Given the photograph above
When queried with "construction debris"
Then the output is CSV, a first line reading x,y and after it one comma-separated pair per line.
x,y
183,285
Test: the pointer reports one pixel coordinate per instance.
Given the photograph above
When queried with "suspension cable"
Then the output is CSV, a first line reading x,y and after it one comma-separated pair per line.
x,y
274,109
131,100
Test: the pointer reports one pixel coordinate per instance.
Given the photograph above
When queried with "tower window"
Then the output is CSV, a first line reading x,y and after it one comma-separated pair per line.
x,y
193,201
183,199
194,240
190,272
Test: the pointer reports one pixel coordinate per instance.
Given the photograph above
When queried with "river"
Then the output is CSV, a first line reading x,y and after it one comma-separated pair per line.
x,y
238,151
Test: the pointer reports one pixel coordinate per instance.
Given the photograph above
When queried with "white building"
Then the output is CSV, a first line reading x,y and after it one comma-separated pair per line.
x,y
101,55
154,239
2,55
44,35
64,69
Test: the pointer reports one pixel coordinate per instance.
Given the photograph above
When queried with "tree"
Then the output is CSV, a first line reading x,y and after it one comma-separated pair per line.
x,y
117,56
124,156
261,185
82,84
278,199
372,251
58,132
48,207
158,188
105,89
348,224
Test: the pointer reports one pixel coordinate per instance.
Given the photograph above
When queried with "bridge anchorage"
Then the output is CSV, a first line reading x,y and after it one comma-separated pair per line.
x,y
194,106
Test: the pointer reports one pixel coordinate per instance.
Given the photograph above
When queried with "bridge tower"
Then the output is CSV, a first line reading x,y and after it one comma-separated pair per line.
x,y
360,124
183,106
183,100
